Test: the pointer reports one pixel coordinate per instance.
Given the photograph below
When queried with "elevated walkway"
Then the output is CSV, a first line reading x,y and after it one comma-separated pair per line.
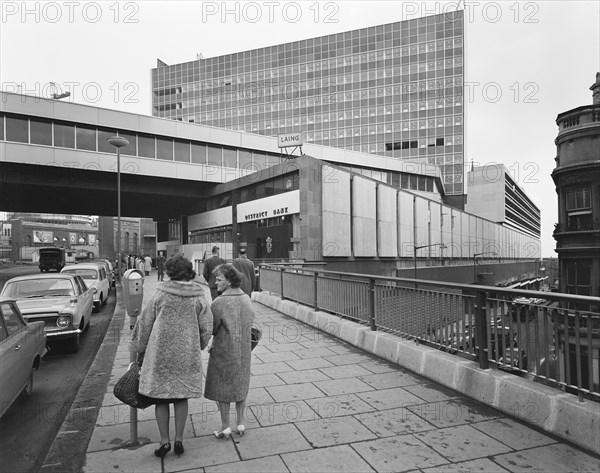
x,y
318,403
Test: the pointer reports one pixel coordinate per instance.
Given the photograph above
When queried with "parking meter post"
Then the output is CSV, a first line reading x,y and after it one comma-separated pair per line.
x,y
133,295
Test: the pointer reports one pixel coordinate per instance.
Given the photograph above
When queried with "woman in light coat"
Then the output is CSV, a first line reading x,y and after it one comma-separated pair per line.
x,y
173,328
228,373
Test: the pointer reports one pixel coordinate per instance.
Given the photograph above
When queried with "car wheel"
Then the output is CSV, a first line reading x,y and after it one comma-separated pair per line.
x,y
104,301
74,344
96,307
28,389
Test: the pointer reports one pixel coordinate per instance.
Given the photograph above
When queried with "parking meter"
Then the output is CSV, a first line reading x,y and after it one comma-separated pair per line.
x,y
133,293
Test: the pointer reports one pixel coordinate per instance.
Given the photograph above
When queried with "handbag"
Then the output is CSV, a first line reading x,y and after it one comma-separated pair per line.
x,y
256,335
127,388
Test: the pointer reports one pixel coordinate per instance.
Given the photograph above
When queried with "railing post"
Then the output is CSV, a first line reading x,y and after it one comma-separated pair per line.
x,y
315,304
281,274
372,304
481,330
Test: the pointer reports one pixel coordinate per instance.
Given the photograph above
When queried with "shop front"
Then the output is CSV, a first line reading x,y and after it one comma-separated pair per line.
x,y
265,226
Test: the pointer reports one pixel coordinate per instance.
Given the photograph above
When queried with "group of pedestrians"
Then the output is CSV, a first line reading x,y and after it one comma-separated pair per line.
x,y
143,264
177,323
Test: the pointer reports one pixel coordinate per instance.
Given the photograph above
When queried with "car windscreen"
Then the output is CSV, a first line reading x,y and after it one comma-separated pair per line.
x,y
84,273
39,287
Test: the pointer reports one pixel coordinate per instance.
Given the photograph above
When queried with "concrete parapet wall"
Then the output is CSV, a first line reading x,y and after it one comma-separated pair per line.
x,y
549,409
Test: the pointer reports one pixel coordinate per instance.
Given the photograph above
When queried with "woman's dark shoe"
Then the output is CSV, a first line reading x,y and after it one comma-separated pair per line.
x,y
178,449
163,450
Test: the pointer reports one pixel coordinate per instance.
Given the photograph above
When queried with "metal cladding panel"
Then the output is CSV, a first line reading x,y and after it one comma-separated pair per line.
x,y
364,217
474,236
435,228
336,213
456,225
468,237
446,229
422,221
387,221
406,236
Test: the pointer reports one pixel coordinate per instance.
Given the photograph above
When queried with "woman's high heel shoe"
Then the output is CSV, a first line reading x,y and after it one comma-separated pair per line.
x,y
163,450
241,429
178,448
224,433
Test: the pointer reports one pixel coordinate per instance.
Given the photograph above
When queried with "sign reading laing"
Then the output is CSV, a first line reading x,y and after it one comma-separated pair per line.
x,y
278,205
290,139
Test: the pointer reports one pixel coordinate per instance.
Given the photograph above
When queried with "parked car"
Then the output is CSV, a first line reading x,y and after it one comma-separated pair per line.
x,y
22,347
94,275
109,271
62,301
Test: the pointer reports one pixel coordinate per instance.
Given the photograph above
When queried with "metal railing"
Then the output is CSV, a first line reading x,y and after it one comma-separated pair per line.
x,y
548,337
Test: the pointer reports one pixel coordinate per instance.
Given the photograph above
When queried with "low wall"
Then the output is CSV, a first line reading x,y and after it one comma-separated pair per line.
x,y
552,410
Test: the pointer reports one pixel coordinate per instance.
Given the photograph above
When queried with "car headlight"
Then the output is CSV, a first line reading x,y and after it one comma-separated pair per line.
x,y
63,321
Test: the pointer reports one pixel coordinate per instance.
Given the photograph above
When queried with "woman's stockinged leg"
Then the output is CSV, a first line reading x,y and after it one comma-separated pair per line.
x,y
240,406
224,411
162,419
181,412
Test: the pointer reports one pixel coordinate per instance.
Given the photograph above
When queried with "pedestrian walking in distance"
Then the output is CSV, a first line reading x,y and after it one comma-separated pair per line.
x,y
160,266
173,328
246,267
228,372
209,266
147,264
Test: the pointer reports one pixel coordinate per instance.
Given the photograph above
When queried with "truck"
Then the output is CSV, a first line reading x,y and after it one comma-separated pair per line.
x,y
52,258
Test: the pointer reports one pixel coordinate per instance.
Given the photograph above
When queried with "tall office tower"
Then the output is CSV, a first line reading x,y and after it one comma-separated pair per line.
x,y
394,90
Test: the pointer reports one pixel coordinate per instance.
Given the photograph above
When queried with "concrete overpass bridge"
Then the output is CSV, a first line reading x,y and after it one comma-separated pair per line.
x,y
54,157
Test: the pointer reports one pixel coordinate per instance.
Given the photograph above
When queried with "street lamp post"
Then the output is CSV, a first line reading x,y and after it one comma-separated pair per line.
x,y
475,255
118,142
441,245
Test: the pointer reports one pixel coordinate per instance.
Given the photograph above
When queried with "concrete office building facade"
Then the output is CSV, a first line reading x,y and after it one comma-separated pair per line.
x,y
495,195
394,90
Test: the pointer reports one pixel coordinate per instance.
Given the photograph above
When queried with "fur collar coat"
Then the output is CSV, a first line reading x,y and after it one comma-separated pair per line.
x,y
174,327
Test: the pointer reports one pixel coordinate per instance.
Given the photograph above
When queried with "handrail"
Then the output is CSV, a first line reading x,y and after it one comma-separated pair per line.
x,y
557,296
546,336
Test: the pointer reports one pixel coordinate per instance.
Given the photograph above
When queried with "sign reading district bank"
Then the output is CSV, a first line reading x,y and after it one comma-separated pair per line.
x,y
278,205
290,139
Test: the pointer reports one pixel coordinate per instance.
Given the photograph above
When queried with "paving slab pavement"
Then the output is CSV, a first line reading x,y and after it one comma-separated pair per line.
x,y
317,403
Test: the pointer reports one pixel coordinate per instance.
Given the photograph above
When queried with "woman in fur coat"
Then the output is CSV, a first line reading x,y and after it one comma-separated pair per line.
x,y
228,373
173,328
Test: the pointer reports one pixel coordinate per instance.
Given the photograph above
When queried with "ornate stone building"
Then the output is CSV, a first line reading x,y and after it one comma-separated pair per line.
x,y
577,179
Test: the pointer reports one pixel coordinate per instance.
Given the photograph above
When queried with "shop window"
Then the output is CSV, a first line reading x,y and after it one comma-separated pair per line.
x,y
1,127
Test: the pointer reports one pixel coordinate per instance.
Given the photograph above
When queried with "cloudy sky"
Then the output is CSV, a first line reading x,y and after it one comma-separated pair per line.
x,y
525,61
